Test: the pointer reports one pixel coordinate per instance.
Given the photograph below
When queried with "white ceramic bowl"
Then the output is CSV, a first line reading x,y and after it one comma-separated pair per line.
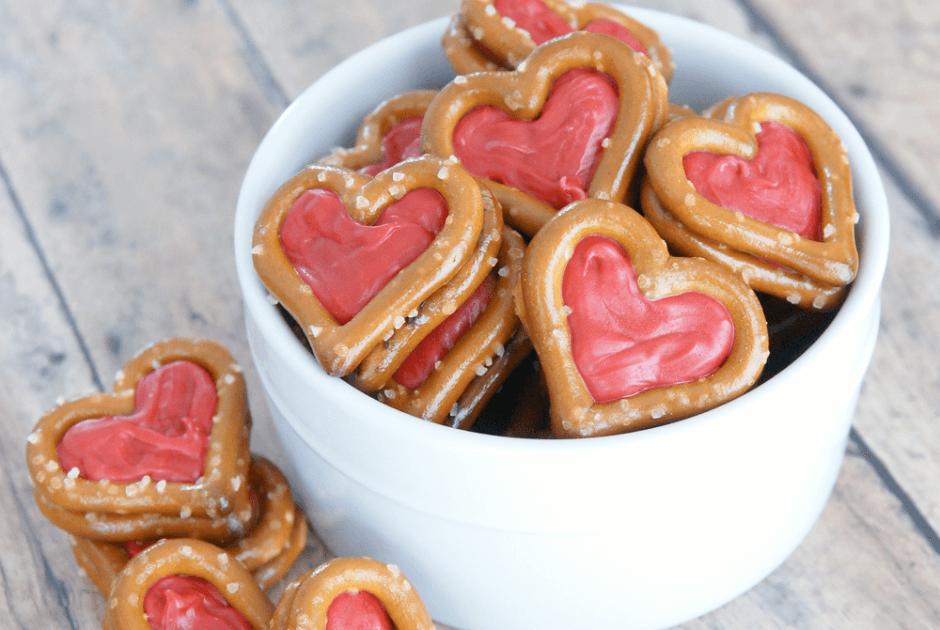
x,y
644,530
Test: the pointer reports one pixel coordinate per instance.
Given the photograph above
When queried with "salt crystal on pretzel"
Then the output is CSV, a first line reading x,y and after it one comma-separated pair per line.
x,y
710,346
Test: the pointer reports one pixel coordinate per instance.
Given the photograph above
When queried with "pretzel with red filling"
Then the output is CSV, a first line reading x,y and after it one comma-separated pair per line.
x,y
785,222
166,449
345,592
185,581
628,336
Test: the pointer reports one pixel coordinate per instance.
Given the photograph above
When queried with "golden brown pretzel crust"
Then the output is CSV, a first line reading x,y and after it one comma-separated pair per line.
x,y
105,526
377,367
832,262
462,51
511,44
340,348
574,412
220,493
385,115
186,557
306,600
477,351
761,276
268,550
522,93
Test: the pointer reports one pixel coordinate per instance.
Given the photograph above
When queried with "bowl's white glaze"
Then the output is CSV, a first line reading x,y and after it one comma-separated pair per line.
x,y
644,530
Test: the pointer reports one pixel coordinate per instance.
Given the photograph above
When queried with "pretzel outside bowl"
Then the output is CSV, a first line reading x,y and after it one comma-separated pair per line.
x,y
268,550
222,489
184,557
306,601
341,347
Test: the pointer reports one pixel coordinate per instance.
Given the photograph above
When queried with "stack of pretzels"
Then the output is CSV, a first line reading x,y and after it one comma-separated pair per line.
x,y
556,129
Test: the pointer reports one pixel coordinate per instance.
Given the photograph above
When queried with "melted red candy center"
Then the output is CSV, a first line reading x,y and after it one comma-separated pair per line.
x,y
400,142
422,360
777,186
166,437
552,157
543,24
624,343
185,602
347,262
357,610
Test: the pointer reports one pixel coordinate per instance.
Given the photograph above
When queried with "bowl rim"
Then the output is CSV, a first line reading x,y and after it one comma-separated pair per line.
x,y
863,294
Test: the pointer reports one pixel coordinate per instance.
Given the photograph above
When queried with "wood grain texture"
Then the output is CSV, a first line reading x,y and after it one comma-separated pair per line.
x,y
125,129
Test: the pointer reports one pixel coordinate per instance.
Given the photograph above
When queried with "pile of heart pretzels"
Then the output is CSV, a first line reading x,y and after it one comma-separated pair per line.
x,y
655,258
173,518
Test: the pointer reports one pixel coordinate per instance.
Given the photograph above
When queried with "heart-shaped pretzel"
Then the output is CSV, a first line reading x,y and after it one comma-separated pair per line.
x,y
268,550
221,490
520,96
387,135
831,261
187,563
478,351
378,366
509,30
341,347
332,590
657,280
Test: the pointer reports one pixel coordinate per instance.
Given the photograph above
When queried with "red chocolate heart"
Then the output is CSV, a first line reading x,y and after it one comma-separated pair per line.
x,y
552,157
624,343
359,610
777,186
543,24
184,602
166,437
347,262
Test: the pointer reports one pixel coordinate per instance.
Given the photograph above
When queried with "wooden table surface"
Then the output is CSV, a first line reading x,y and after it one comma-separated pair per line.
x,y
126,127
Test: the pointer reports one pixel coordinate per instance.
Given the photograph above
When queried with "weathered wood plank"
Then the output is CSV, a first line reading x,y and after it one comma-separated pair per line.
x,y
126,130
